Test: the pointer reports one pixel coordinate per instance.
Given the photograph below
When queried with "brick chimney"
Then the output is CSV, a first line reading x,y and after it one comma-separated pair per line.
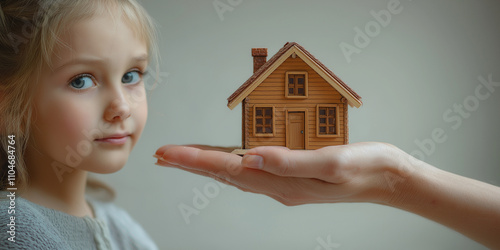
x,y
259,58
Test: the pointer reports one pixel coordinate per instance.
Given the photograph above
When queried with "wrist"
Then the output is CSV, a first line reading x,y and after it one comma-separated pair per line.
x,y
404,177
398,177
384,172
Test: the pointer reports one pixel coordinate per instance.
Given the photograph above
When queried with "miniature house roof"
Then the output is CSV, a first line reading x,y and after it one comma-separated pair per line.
x,y
288,49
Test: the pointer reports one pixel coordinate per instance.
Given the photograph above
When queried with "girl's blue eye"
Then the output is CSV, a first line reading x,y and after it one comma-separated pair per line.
x,y
82,82
131,77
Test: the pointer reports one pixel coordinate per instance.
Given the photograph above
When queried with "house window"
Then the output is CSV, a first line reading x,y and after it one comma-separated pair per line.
x,y
264,121
296,84
328,120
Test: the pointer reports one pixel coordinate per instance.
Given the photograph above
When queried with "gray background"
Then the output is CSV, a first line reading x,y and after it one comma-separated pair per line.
x,y
427,59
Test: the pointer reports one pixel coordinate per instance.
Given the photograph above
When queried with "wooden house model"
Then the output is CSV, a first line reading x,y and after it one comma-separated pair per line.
x,y
293,100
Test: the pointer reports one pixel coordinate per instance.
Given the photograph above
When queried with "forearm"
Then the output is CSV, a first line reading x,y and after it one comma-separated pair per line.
x,y
465,205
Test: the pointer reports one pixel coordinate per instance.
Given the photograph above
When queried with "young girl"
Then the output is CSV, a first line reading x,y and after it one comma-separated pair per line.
x,y
72,101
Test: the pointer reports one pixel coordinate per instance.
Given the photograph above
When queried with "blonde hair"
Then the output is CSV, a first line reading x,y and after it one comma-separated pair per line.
x,y
29,31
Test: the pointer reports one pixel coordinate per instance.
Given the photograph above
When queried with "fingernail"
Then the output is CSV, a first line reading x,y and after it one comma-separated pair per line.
x,y
252,161
160,158
161,151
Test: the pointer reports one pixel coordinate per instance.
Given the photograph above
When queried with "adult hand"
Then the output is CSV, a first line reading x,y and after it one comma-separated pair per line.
x,y
360,172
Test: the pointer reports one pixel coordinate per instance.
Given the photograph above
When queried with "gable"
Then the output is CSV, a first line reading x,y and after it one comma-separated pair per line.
x,y
272,89
278,59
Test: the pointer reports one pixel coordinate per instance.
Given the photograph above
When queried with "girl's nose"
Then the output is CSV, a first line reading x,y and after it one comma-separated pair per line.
x,y
118,109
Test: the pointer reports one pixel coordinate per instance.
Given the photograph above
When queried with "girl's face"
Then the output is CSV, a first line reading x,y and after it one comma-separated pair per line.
x,y
90,107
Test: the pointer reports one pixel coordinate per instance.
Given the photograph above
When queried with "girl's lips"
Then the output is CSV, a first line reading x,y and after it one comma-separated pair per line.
x,y
115,140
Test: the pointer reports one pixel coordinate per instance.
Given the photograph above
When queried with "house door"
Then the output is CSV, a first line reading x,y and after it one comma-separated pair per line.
x,y
296,130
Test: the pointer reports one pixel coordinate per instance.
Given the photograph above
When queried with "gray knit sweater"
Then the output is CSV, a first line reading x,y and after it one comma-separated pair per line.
x,y
38,227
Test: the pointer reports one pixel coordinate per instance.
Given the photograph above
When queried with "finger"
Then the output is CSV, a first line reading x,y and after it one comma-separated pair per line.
x,y
227,180
213,148
222,178
289,191
160,151
226,167
203,160
322,164
234,182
